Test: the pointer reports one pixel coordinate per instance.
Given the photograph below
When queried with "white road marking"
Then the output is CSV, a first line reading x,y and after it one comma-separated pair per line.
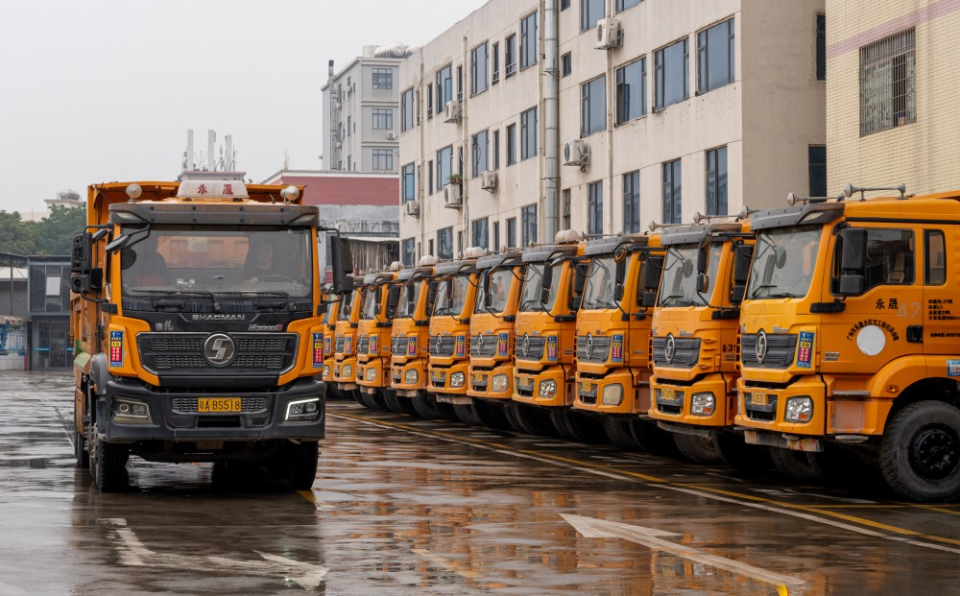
x,y
591,527
134,554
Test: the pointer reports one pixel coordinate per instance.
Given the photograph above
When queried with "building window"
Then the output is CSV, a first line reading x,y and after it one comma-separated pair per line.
x,y
565,215
460,83
496,235
478,153
496,64
409,182
430,178
632,91
528,217
382,119
429,101
383,159
528,41
564,4
407,251
672,66
496,150
432,252
444,166
717,181
383,78
349,126
445,243
566,65
406,110
444,87
478,69
591,11
528,134
672,213
460,243
593,106
821,47
511,144
715,56
595,209
631,203
512,232
817,160
510,58
888,72
479,233
623,5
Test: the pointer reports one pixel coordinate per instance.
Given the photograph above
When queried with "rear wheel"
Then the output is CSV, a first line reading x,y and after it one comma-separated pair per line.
x,y
793,464
654,439
920,452
426,406
699,450
742,456
578,427
620,434
529,419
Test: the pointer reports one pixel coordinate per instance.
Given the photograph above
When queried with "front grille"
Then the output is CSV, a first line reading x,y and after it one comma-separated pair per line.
x,y
597,350
338,345
486,348
399,345
780,351
444,347
686,352
363,344
249,405
530,347
173,353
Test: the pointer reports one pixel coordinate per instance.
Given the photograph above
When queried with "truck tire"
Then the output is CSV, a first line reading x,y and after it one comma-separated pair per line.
x,y
577,427
447,411
920,452
795,465
426,406
467,413
699,450
378,400
619,433
653,439
303,460
737,454
404,403
492,415
110,466
530,420
80,450
393,403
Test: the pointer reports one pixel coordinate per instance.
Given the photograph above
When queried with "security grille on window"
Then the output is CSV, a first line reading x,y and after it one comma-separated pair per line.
x,y
593,106
383,159
382,119
888,72
382,78
715,56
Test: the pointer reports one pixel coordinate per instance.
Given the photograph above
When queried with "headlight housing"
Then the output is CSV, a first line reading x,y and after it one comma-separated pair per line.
x,y
131,411
347,370
371,374
411,377
799,409
703,404
326,371
499,383
303,410
612,395
547,388
456,380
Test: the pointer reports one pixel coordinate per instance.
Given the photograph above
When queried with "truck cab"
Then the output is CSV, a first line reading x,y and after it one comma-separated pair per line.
x,y
613,338
373,337
194,340
849,337
500,277
345,342
329,334
411,337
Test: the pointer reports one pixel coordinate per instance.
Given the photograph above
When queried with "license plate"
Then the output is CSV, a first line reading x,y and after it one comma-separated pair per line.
x,y
478,379
525,382
219,405
759,399
437,376
668,394
586,387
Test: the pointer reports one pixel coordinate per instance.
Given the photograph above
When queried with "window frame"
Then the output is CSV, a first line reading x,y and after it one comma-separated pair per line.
x,y
477,69
661,79
529,222
382,118
595,208
704,52
529,146
528,40
587,104
631,202
623,91
672,188
381,74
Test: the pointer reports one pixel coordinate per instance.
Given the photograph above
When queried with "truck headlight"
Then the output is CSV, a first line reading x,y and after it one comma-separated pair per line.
x,y
612,395
347,370
547,388
799,409
371,374
456,380
411,377
131,411
303,410
499,383
326,371
703,404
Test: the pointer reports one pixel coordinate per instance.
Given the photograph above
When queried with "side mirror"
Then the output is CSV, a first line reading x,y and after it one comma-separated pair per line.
x,y
703,257
546,283
621,271
618,292
342,264
651,274
741,264
84,277
649,299
853,261
487,298
737,293
393,298
322,309
703,283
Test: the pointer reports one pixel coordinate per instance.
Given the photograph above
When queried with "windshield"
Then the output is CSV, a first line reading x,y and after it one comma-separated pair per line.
x,y
601,284
346,306
207,259
407,302
678,287
533,284
783,263
499,283
452,296
370,302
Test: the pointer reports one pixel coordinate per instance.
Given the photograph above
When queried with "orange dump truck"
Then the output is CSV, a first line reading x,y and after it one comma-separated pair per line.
x,y
411,338
373,338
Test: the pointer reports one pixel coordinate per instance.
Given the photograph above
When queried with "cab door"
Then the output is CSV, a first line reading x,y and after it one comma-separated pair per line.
x,y
941,302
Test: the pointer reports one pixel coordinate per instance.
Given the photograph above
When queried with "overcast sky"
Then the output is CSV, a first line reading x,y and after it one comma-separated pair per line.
x,y
102,90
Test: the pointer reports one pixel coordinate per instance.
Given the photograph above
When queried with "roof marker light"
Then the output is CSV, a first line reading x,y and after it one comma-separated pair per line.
x,y
134,191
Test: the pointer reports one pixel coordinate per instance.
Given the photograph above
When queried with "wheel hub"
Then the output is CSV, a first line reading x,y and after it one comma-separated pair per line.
x,y
935,453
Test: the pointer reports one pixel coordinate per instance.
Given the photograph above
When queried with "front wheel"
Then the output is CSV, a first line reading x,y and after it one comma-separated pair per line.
x,y
297,465
80,450
752,459
920,452
578,427
699,450
110,466
620,434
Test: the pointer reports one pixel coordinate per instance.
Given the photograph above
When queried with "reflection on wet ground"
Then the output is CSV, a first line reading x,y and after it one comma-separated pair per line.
x,y
407,506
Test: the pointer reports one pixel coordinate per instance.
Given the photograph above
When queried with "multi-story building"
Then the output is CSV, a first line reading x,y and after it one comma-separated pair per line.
x,y
893,107
360,131
598,115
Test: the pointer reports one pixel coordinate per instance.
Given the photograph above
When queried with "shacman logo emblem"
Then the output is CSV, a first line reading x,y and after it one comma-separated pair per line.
x,y
439,343
670,350
219,350
589,346
480,343
762,346
526,344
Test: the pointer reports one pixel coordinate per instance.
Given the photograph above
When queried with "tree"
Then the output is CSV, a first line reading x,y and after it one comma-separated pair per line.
x,y
53,235
16,235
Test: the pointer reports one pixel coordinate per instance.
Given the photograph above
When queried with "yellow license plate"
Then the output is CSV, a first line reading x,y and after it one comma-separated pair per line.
x,y
219,405
668,394
587,387
478,379
759,399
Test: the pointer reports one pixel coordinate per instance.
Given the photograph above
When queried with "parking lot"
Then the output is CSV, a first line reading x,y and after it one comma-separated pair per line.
x,y
409,506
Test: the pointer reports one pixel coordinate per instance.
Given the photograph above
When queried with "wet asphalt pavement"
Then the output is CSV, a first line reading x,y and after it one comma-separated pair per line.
x,y
407,506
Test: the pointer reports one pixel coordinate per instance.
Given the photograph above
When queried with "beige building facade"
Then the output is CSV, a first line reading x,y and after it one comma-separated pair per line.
x,y
893,94
686,107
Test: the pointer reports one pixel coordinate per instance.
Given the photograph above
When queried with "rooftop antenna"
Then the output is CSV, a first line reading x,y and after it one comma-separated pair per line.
x,y
849,189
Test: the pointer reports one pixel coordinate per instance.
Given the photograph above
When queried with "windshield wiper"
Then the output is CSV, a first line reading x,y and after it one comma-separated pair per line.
x,y
213,297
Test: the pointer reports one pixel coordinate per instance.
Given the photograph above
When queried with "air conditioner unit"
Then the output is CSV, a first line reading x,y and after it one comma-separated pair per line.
x,y
576,153
413,208
454,112
391,136
609,34
453,196
488,181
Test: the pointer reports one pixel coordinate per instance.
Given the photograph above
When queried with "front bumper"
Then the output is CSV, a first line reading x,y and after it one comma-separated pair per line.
x,y
678,409
399,376
341,365
481,382
174,416
440,378
381,378
764,409
528,383
590,392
